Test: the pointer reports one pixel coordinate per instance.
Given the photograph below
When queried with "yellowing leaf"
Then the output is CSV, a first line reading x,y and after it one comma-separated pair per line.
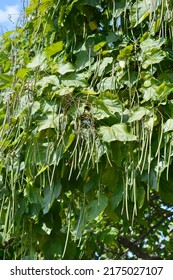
x,y
54,48
99,46
42,170
89,92
21,73
93,25
125,53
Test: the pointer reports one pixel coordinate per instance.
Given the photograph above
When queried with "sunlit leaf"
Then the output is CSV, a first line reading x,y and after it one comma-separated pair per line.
x,y
99,46
37,60
54,48
152,57
125,53
168,126
21,73
64,68
117,132
138,114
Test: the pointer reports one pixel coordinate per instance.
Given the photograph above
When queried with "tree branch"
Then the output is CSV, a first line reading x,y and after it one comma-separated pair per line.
x,y
135,249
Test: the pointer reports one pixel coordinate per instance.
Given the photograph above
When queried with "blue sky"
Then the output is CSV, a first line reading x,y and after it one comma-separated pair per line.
x,y
9,13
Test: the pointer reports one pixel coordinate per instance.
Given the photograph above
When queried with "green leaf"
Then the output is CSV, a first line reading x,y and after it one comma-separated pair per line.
x,y
107,84
70,141
32,194
50,121
138,114
115,200
153,56
50,194
83,60
140,196
104,63
74,80
45,81
42,170
89,92
112,37
141,10
95,208
54,48
149,44
168,126
93,3
113,106
5,80
35,107
164,90
99,46
21,73
117,132
125,53
37,60
63,68
63,91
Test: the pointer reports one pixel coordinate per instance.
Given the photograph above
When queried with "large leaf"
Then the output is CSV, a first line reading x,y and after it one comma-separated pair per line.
x,y
168,126
95,208
83,60
45,81
50,194
105,62
74,80
50,121
164,90
117,132
141,10
54,48
37,60
152,57
125,53
63,68
138,114
149,44
107,83
5,80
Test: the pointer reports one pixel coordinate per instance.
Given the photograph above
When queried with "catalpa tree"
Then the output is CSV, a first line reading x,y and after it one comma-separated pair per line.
x,y
86,131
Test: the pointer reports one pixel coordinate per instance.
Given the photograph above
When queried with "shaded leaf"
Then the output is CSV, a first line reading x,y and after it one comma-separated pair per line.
x,y
50,194
140,196
95,208
5,80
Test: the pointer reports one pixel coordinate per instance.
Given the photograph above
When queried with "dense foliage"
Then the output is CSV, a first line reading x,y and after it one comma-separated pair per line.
x,y
86,131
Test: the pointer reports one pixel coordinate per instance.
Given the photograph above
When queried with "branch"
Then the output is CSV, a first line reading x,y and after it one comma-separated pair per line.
x,y
135,249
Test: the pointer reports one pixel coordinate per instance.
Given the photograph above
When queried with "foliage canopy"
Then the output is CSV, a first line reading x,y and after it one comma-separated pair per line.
x,y
86,131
